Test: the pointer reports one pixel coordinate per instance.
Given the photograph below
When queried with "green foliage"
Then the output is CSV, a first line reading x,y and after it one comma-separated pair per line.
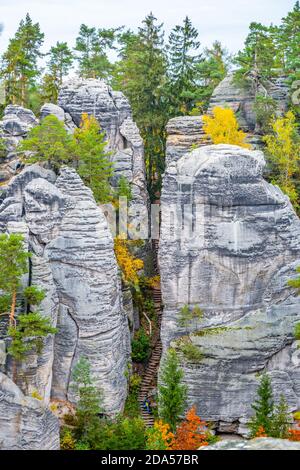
x,y
281,420
124,189
59,63
89,404
132,407
124,434
183,60
3,149
297,331
263,408
49,142
171,392
13,262
34,295
19,67
187,314
210,72
295,282
141,75
91,47
258,60
265,109
140,346
190,351
283,149
28,334
94,165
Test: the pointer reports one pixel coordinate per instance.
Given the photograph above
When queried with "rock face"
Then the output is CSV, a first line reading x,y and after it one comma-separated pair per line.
x,y
183,133
73,260
229,243
14,126
113,112
262,443
241,101
25,423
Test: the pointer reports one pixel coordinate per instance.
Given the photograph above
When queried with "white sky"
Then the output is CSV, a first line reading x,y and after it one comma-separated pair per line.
x,y
225,20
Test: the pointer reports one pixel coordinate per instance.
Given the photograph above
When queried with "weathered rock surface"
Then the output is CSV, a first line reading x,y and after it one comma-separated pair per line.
x,y
261,443
25,422
14,126
113,112
228,94
245,245
73,260
183,133
55,110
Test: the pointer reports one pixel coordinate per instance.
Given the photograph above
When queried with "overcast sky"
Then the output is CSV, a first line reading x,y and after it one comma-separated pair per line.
x,y
225,20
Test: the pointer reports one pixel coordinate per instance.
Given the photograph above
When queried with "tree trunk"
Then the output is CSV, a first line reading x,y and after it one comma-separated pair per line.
x,y
13,308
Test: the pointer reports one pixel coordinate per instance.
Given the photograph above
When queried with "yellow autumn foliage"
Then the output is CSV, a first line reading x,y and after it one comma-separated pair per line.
x,y
283,149
222,128
129,265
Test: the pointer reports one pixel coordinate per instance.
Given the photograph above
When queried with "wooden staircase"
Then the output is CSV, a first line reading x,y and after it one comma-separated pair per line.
x,y
149,380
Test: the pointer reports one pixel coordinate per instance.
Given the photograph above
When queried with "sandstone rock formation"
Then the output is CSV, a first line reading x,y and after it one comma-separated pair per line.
x,y
262,443
73,260
183,133
113,112
229,242
228,94
14,126
25,422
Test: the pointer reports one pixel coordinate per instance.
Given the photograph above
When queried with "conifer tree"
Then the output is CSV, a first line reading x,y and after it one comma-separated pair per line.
x,y
211,71
49,142
263,408
94,165
171,391
59,63
281,420
91,47
141,75
89,404
19,67
289,41
259,60
183,59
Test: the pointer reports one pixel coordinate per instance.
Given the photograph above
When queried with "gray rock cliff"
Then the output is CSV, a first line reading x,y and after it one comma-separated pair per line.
x,y
229,243
74,261
25,423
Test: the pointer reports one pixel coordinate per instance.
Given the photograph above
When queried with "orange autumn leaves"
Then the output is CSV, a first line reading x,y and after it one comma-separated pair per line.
x,y
190,434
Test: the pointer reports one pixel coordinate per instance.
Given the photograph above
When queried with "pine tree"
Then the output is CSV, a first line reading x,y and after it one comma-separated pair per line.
x,y
289,42
281,420
49,142
13,263
89,404
210,72
259,60
59,63
263,408
171,391
28,329
183,61
91,47
94,165
141,75
19,67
